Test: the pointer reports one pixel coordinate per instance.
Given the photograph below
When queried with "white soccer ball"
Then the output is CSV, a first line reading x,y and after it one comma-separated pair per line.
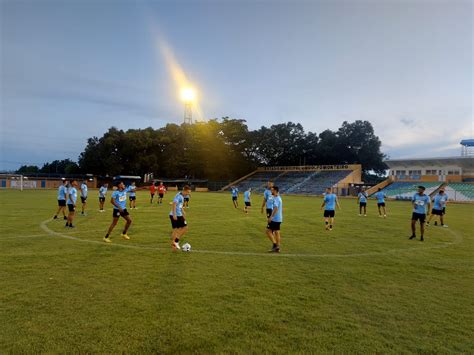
x,y
186,247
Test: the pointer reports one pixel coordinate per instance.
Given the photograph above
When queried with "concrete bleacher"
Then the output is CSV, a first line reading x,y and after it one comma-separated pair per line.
x,y
460,191
402,190
258,180
317,182
294,182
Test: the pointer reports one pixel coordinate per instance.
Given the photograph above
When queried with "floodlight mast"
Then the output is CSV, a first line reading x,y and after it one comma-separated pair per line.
x,y
188,97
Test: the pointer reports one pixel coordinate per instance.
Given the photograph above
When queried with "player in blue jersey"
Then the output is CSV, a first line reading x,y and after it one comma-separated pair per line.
x,y
119,201
71,203
439,206
84,192
362,200
330,202
268,199
133,195
102,194
62,194
247,201
380,196
421,207
235,195
177,217
186,200
274,221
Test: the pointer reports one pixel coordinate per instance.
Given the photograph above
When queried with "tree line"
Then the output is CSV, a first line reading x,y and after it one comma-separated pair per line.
x,y
220,149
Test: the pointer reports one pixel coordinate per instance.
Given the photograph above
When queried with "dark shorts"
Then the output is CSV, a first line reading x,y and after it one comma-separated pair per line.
x,y
234,198
83,199
132,198
418,216
274,226
186,199
437,212
329,213
248,204
363,204
381,204
71,207
102,199
61,203
116,213
269,212
161,195
152,195
179,223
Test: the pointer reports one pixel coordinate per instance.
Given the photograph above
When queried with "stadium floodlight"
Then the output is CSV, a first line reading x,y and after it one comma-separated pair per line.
x,y
188,95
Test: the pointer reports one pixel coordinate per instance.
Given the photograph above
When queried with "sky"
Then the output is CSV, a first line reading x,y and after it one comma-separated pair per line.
x,y
71,69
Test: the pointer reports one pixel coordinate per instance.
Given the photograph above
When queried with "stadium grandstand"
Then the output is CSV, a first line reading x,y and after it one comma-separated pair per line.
x,y
454,174
303,180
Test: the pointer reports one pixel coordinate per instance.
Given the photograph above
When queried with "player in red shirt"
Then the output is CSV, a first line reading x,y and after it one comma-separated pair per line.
x,y
152,192
161,192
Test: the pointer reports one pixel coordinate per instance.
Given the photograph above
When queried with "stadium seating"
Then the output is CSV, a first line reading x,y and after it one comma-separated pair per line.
x,y
295,182
460,191
318,181
258,180
404,190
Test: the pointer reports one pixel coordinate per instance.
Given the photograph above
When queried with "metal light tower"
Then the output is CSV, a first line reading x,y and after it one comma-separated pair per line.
x,y
188,97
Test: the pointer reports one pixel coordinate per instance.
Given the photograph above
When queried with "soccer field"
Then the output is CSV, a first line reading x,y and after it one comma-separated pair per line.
x,y
361,288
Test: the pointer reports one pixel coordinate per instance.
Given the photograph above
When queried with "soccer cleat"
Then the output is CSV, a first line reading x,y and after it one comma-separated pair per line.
x,y
444,225
330,228
125,236
55,217
107,240
422,239
412,237
360,215
384,216
65,218
436,223
175,246
365,215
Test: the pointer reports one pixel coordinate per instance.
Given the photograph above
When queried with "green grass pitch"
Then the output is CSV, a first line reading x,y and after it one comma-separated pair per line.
x,y
362,288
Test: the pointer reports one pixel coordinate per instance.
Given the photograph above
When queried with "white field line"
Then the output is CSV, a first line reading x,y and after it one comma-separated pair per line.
x,y
457,240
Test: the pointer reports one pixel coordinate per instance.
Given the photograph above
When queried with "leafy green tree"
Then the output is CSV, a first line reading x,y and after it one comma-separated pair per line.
x,y
25,169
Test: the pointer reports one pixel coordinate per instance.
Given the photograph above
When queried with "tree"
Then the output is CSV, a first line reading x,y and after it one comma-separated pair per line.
x,y
25,169
65,166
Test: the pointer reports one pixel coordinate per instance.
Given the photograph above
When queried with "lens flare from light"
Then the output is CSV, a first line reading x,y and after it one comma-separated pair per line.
x,y
188,95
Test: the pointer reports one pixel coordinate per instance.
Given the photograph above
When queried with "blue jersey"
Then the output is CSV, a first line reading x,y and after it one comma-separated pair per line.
x,y
267,195
247,196
420,201
235,192
62,192
330,202
380,196
178,200
72,196
120,198
362,197
102,191
132,190
84,190
277,203
440,202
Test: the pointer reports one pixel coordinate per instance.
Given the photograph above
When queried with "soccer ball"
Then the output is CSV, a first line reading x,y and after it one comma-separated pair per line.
x,y
186,247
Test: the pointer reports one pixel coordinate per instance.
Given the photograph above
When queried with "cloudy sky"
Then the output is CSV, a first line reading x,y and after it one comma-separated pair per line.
x,y
70,69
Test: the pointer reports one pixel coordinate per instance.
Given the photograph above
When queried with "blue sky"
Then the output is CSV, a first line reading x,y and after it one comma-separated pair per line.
x,y
71,69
